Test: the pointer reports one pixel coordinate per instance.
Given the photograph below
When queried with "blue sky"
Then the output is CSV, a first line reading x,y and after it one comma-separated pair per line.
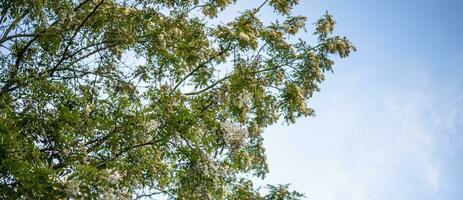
x,y
389,121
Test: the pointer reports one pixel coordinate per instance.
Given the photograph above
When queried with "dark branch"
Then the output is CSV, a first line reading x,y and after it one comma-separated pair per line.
x,y
200,66
71,41
6,38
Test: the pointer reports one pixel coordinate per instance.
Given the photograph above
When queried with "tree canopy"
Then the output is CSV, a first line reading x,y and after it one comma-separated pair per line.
x,y
149,98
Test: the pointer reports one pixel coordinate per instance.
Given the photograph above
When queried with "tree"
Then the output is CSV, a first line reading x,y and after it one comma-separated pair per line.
x,y
129,98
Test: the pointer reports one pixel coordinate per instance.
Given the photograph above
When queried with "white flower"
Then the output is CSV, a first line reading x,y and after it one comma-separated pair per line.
x,y
234,135
162,40
152,125
108,194
176,31
83,148
151,25
127,11
243,99
127,111
88,109
113,177
243,36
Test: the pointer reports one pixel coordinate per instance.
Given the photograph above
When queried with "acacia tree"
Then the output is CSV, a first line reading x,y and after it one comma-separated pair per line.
x,y
129,98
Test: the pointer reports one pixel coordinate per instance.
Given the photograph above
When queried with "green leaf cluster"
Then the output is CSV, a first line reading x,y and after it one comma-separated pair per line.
x,y
121,99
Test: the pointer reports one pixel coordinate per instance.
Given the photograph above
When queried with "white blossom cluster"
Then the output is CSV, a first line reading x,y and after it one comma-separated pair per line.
x,y
243,36
243,99
234,135
113,177
151,125
88,109
72,187
208,167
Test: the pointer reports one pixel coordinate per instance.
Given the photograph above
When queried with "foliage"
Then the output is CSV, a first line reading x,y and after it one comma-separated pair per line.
x,y
129,98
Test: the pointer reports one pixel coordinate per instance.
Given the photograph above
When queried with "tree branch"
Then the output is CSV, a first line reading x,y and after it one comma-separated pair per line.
x,y
199,67
71,40
81,4
6,88
6,38
12,25
156,193
229,76
261,5
125,150
83,57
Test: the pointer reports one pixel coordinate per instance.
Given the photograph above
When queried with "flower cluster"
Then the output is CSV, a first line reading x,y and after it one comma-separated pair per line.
x,y
113,176
234,135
